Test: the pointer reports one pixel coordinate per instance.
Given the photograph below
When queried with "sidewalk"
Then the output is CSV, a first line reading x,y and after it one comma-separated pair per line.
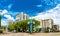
x,y
34,34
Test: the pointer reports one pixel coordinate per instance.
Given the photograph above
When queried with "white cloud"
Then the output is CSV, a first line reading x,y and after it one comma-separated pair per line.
x,y
3,22
3,11
53,13
8,16
39,5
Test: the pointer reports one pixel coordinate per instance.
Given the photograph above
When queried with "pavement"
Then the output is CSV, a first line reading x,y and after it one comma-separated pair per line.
x,y
14,34
34,34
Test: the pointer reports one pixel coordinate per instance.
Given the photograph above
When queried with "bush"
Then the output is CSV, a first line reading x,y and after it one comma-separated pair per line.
x,y
1,31
47,29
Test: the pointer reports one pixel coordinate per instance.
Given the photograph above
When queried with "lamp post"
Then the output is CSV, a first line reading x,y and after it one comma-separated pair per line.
x,y
0,20
31,26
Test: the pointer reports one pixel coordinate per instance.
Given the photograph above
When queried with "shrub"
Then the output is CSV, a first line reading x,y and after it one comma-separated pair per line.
x,y
1,31
47,29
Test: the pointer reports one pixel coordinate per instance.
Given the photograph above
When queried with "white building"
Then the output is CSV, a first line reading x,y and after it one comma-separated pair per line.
x,y
22,16
46,23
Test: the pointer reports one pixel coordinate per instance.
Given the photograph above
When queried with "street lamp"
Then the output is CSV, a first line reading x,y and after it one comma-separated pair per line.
x,y
0,20
31,25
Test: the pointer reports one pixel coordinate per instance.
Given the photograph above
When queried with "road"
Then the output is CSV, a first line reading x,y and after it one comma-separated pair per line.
x,y
34,34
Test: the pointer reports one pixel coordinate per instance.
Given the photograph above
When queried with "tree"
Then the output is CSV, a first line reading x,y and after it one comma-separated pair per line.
x,y
11,27
36,22
22,25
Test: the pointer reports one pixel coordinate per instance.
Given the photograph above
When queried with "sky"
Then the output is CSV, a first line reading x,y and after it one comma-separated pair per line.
x,y
37,9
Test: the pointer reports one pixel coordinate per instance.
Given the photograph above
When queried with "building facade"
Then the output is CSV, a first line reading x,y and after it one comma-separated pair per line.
x,y
22,16
46,23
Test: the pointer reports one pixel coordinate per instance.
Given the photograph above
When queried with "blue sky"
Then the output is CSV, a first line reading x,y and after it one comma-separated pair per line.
x,y
9,8
28,6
